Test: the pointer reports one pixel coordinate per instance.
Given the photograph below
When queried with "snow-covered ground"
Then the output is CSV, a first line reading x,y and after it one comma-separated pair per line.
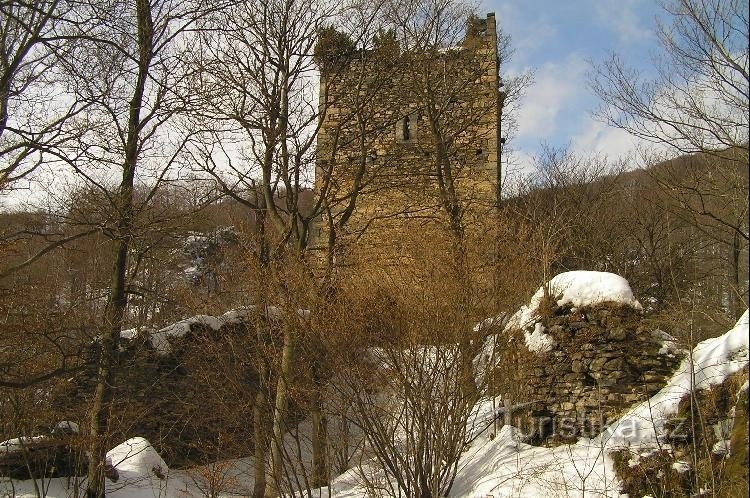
x,y
507,467
499,466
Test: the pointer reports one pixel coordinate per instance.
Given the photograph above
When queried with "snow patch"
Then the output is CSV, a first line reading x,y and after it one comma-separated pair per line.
x,y
577,288
136,460
713,360
721,448
537,341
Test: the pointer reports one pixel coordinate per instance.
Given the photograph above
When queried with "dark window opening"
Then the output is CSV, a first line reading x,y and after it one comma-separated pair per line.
x,y
406,128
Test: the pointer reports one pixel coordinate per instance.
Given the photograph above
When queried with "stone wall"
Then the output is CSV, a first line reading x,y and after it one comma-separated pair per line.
x,y
600,361
362,138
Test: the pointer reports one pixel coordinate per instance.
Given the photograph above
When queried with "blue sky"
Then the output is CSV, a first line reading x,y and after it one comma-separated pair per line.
x,y
557,39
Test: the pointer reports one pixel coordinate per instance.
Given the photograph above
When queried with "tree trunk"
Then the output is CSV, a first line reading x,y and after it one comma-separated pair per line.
x,y
734,277
319,436
117,301
260,436
273,486
108,360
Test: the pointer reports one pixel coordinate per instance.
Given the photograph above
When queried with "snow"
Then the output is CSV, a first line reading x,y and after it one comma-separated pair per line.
x,y
484,358
136,460
505,466
668,343
499,466
721,447
160,338
66,427
538,341
129,334
577,288
18,443
713,360
488,323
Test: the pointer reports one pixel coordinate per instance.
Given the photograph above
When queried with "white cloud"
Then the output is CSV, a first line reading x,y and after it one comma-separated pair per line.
x,y
555,86
599,138
619,16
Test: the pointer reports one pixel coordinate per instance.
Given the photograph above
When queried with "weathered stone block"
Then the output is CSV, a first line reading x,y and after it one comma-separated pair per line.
x,y
618,334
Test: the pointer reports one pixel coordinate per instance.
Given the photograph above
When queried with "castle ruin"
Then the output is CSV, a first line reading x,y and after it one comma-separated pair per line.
x,y
406,125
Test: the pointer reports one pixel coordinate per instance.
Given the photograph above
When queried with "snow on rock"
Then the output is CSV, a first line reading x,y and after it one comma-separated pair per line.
x,y
537,341
66,427
160,339
136,460
18,443
577,288
721,447
499,321
668,343
484,358
585,288
713,360
13,445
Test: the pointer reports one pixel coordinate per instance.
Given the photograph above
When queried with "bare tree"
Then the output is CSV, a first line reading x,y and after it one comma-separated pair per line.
x,y
33,36
698,105
709,195
402,370
128,75
510,94
262,115
699,99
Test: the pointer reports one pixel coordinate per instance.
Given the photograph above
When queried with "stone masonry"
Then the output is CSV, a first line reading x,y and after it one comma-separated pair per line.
x,y
375,130
604,359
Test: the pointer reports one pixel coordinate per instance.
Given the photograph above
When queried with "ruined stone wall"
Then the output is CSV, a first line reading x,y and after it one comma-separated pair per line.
x,y
604,359
377,95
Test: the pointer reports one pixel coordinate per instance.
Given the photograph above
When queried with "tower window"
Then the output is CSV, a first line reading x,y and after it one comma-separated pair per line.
x,y
407,128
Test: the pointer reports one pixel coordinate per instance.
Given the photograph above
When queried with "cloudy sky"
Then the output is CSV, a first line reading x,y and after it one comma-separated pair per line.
x,y
558,39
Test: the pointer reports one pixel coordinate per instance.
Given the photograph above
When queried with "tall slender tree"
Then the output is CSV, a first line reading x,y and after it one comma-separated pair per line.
x,y
129,76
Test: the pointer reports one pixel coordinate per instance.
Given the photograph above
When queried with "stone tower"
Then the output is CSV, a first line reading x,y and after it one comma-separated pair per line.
x,y
390,115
